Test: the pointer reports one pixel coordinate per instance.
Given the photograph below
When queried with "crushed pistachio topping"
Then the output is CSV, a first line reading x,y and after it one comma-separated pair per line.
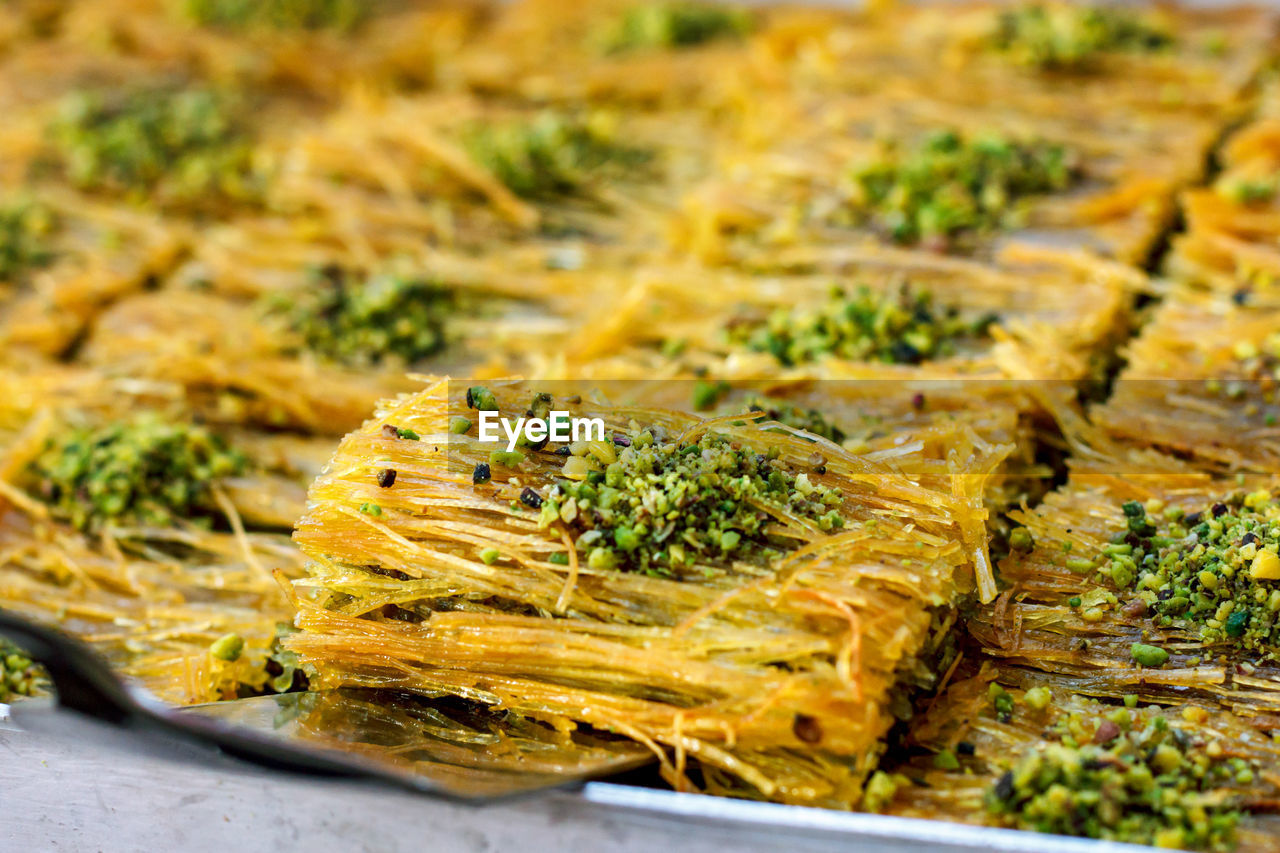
x,y
809,420
227,647
143,471
24,232
1001,702
1020,539
1214,572
482,399
677,24
19,675
880,790
1071,37
285,670
952,185
1038,698
1146,654
645,502
181,144
552,154
1247,191
364,320
339,15
393,431
707,395
900,326
1124,776
280,671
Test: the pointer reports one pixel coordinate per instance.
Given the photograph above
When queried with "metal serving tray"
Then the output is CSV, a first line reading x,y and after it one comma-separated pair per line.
x,y
70,782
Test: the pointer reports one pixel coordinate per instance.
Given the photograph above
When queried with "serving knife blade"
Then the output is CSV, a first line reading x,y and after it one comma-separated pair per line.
x,y
441,748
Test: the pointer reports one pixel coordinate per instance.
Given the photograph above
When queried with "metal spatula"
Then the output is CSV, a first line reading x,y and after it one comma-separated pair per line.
x,y
442,748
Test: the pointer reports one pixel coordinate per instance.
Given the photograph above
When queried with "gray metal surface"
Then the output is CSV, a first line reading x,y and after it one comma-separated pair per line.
x,y
73,784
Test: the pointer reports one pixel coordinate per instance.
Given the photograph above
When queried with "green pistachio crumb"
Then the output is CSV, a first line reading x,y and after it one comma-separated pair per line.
x,y
951,185
25,230
1020,539
673,347
1210,571
602,559
1146,655
809,420
337,15
20,676
144,471
174,145
552,154
899,326
481,399
1247,191
1038,698
707,394
506,458
675,24
1080,565
1147,783
626,538
881,789
660,507
285,671
227,647
364,320
1070,37
1002,701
